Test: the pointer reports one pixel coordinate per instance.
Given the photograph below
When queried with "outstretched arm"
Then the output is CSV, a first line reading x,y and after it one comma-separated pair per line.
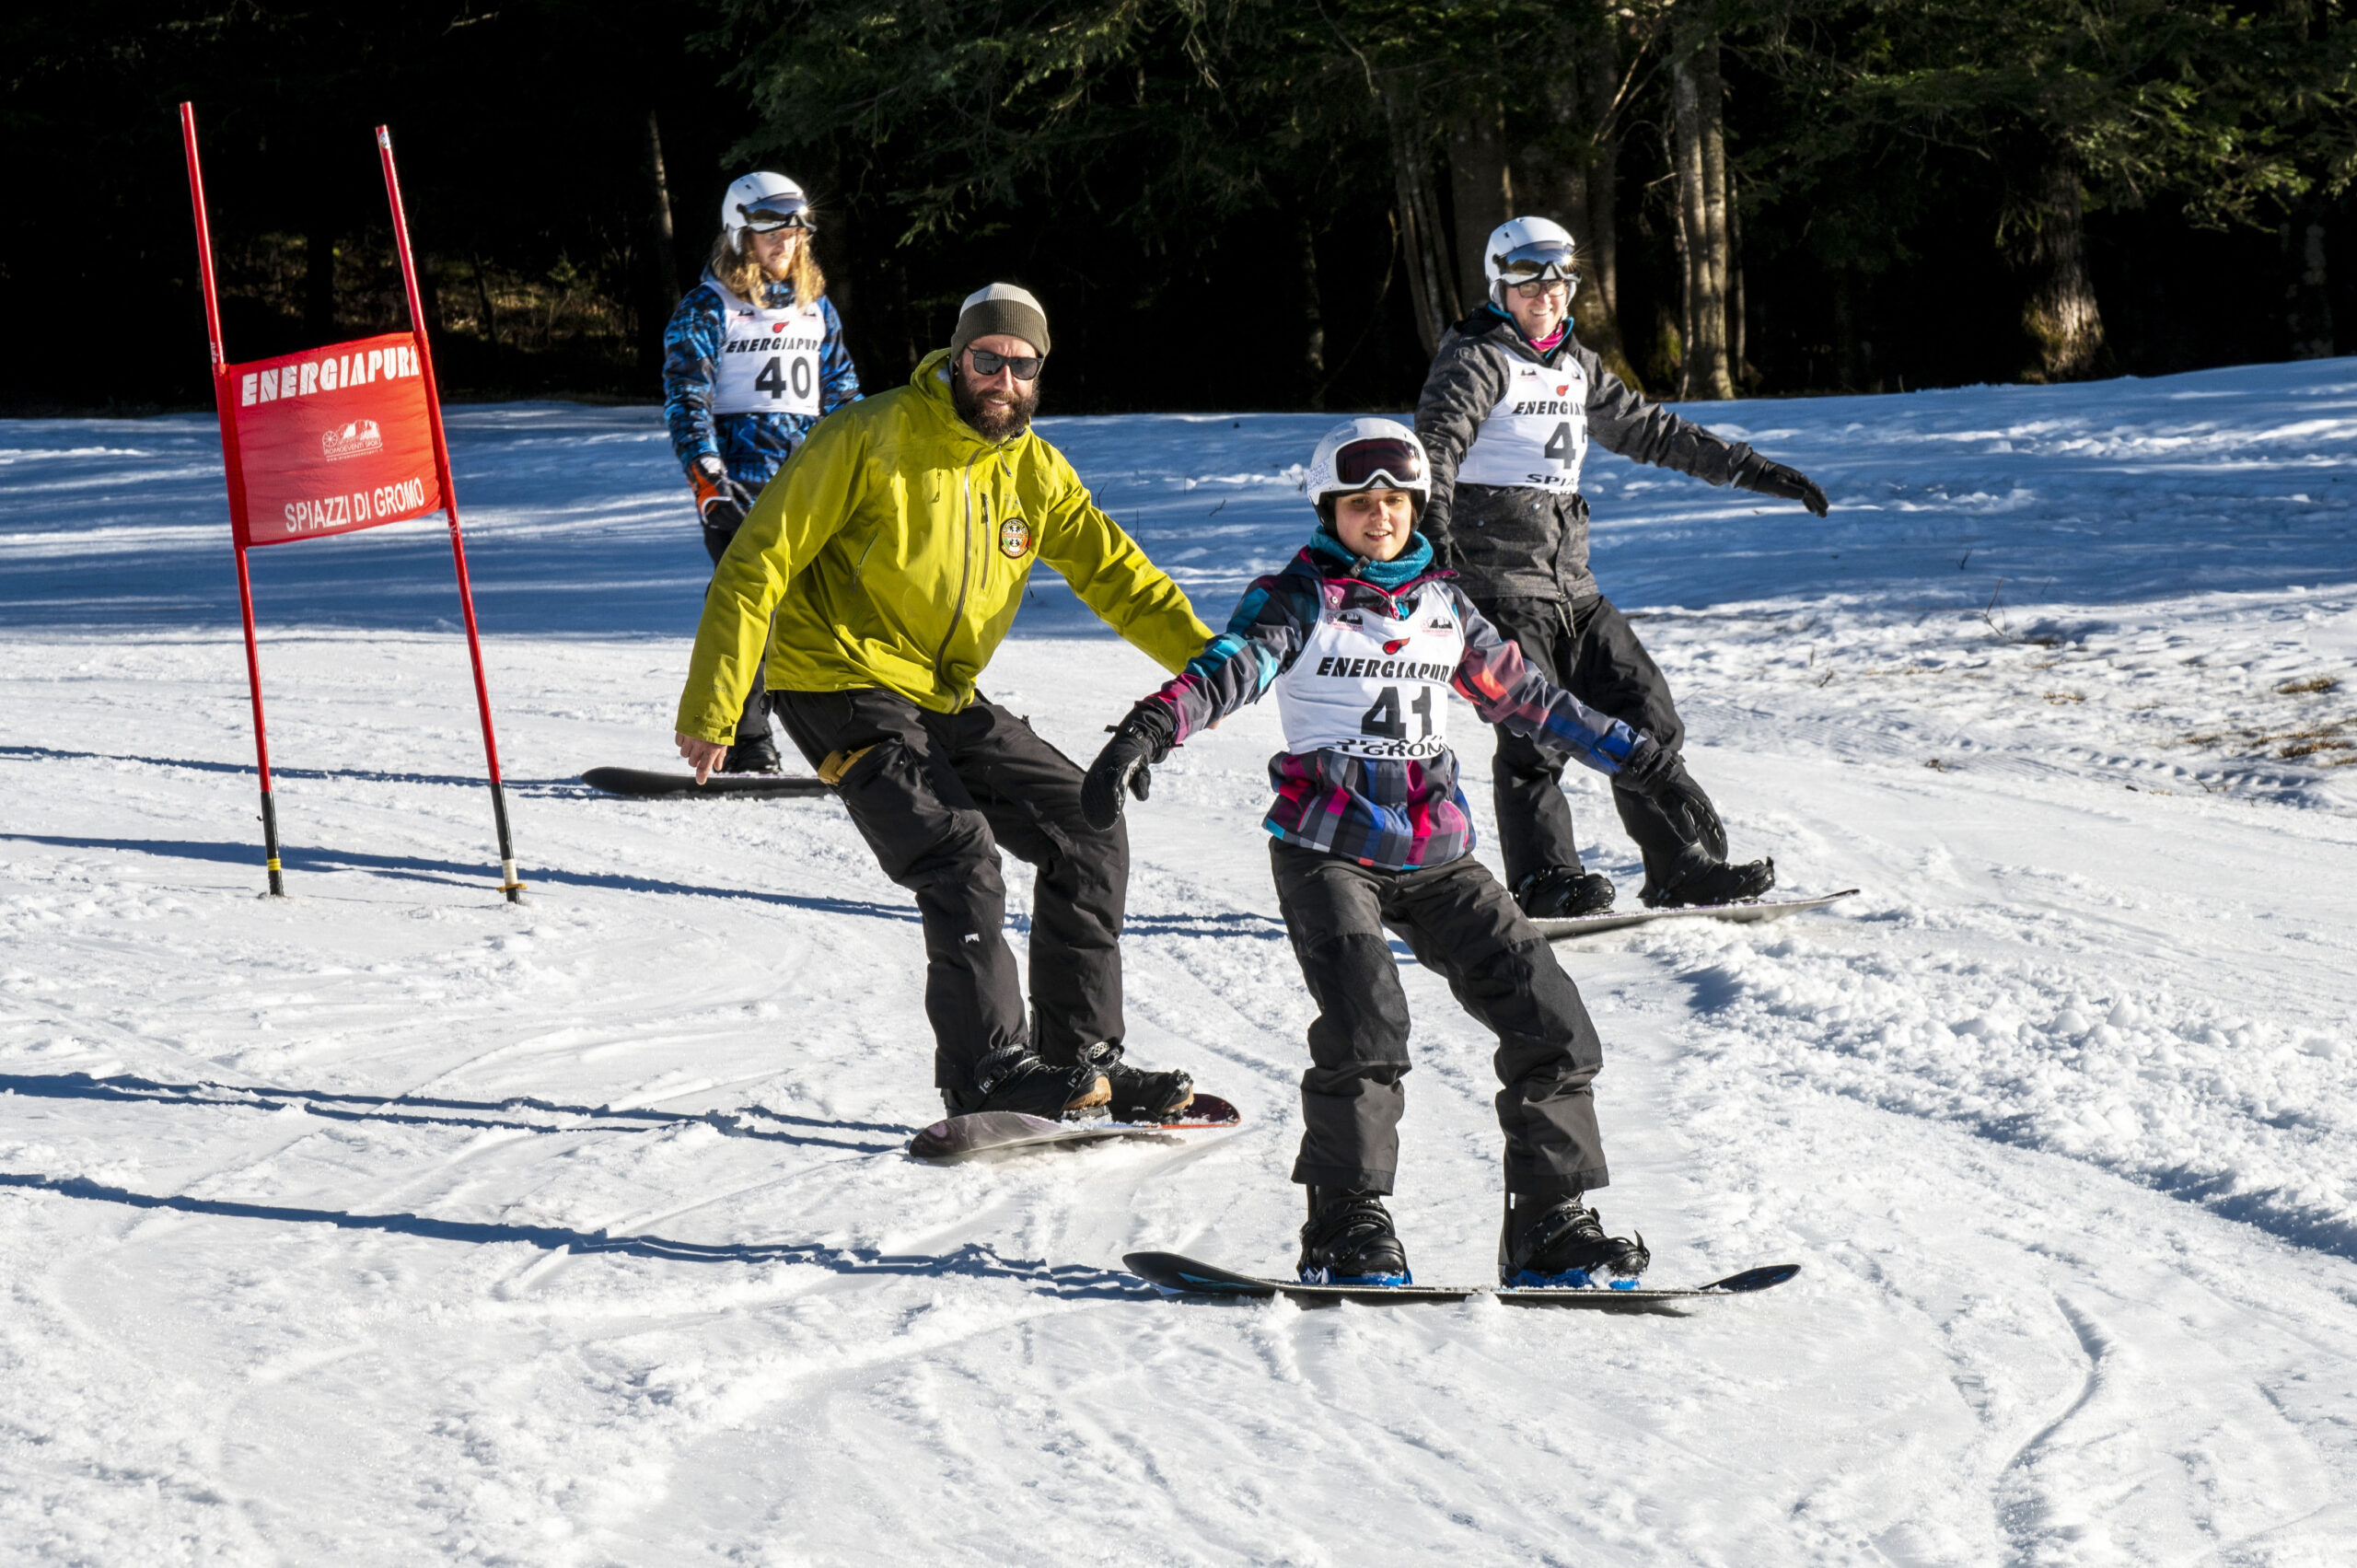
x,y
1262,641
797,513
1263,637
1112,576
1494,678
1504,690
1620,420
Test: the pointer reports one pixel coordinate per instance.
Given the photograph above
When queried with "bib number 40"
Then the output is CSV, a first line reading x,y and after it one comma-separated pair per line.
x,y
1384,719
772,378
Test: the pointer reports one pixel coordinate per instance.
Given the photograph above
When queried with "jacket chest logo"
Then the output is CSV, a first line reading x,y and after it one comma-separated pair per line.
x,y
1014,537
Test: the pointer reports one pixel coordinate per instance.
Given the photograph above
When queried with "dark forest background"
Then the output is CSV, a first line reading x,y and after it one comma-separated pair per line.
x,y
1256,204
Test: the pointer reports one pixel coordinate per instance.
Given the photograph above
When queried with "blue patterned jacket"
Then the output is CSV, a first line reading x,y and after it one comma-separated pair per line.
x,y
754,446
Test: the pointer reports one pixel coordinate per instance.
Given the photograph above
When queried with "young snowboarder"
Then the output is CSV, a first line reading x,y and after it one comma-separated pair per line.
x,y
1361,637
1507,412
752,358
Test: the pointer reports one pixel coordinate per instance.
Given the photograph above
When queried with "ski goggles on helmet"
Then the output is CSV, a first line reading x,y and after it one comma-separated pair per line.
x,y
788,209
1359,465
1542,262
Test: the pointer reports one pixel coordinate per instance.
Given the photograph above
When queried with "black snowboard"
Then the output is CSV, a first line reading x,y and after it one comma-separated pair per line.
x,y
1620,920
996,1131
1175,1275
646,784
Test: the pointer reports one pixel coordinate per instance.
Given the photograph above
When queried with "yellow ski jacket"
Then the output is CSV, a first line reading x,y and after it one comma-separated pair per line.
x,y
894,548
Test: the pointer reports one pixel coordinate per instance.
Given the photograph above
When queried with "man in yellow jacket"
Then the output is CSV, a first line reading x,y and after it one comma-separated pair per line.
x,y
893,549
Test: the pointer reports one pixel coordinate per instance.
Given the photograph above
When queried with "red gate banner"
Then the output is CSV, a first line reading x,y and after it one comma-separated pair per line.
x,y
331,440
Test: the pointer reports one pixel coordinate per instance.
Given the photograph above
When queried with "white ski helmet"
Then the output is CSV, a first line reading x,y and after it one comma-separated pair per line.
x,y
762,202
1367,454
1528,251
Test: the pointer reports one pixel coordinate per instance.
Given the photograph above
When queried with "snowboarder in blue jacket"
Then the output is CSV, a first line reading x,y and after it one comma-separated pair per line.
x,y
752,358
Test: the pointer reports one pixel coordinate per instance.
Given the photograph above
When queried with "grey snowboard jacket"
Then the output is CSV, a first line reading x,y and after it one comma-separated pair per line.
x,y
1523,541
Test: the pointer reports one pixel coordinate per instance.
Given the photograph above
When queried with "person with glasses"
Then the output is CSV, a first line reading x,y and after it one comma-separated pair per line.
x,y
752,358
893,551
1508,412
1361,637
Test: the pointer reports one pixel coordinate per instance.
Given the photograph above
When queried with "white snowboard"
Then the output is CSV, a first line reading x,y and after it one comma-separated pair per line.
x,y
1618,920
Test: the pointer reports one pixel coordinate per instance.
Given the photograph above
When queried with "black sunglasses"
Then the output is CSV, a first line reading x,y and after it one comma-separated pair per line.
x,y
1025,366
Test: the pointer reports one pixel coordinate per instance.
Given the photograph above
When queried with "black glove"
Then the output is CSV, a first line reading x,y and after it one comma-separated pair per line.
x,y
1660,776
1788,485
720,501
1139,741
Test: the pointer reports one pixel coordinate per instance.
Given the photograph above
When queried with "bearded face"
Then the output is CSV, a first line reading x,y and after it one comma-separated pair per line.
x,y
994,410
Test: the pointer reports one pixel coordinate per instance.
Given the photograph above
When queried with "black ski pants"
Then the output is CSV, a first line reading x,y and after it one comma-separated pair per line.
x,y
1589,648
753,723
935,796
1464,927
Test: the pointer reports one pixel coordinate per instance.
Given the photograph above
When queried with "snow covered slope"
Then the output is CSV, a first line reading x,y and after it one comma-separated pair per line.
x,y
390,1223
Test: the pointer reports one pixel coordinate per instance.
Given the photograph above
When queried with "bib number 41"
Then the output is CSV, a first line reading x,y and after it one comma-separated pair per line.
x,y
1384,718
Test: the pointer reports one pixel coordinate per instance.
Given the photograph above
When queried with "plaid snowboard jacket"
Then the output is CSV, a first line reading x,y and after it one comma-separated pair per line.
x,y
1397,814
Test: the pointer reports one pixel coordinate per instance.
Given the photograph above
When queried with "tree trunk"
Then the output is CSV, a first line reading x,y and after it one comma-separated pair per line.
x,y
1738,314
1481,188
1431,284
2065,329
1578,187
1700,163
1849,364
1718,208
1686,236
1313,318
318,284
1601,69
482,298
2307,298
662,287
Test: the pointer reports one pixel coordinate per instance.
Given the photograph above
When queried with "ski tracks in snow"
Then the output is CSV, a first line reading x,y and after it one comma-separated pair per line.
x,y
391,1223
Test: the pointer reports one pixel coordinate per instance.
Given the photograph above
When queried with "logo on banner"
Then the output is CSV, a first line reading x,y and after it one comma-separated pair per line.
x,y
1014,538
356,440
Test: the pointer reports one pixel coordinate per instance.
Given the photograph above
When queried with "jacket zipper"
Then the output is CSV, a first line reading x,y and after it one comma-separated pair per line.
x,y
965,569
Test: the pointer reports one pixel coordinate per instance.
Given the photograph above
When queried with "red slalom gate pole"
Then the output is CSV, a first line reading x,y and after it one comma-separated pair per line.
x,y
222,405
508,884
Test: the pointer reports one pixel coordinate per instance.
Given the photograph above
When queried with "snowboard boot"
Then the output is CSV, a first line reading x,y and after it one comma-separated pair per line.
x,y
1012,1078
1349,1241
1138,1095
752,757
1559,1243
1563,892
1717,883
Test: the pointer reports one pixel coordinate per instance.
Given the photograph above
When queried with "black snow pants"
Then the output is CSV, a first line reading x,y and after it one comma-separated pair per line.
x,y
1589,648
935,796
753,723
1461,925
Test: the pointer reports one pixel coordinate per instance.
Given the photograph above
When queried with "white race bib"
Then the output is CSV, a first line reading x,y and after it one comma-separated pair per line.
x,y
1537,436
1374,687
769,361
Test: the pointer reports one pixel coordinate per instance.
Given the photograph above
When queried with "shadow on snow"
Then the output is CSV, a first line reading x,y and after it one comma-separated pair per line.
x,y
447,873
424,1111
974,1259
